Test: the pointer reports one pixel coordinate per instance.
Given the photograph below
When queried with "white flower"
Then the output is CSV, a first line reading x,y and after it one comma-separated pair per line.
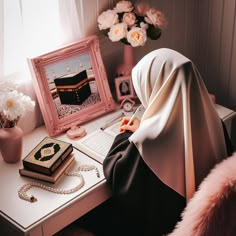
x,y
107,19
132,24
13,105
129,19
16,104
137,37
123,6
117,32
7,86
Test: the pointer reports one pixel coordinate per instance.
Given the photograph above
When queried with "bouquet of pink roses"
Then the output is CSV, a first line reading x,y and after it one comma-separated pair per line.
x,y
132,24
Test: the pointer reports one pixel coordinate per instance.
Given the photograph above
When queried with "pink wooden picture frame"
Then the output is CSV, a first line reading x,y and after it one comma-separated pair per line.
x,y
124,88
71,85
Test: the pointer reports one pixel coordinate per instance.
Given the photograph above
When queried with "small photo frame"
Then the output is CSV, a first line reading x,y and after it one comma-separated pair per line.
x,y
124,88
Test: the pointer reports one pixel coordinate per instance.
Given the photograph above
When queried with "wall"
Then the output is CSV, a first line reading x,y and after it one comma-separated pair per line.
x,y
202,30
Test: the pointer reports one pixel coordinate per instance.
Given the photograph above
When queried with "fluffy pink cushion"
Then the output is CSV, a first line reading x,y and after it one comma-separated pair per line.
x,y
212,209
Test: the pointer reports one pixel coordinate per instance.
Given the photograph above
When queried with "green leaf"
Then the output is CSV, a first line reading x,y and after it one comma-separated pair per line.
x,y
153,32
124,40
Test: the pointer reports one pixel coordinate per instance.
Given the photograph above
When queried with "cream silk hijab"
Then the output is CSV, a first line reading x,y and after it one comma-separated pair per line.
x,y
180,135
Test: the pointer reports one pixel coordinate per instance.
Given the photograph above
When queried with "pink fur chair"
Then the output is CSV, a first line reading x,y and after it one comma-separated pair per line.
x,y
212,209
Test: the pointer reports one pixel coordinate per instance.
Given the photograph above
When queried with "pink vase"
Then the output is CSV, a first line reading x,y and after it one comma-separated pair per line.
x,y
11,144
128,61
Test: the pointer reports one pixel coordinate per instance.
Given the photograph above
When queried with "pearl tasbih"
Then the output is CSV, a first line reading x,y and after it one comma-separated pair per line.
x,y
22,193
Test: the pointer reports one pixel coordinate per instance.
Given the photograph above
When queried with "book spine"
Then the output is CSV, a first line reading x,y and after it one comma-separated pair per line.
x,y
45,178
61,159
36,168
51,179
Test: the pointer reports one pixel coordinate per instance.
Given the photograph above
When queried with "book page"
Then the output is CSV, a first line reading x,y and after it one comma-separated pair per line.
x,y
113,129
96,144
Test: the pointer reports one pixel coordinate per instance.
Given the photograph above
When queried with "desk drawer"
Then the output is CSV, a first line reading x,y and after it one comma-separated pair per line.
x,y
75,210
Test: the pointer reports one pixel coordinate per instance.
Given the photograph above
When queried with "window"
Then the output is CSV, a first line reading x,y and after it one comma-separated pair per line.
x,y
30,28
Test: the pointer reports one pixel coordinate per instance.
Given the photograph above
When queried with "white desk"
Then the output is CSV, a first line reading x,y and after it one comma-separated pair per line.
x,y
52,212
226,115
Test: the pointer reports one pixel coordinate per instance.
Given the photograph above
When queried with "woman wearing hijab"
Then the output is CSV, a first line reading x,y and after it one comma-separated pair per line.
x,y
156,164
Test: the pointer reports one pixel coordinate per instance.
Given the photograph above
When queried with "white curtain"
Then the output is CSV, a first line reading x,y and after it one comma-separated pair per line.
x,y
29,28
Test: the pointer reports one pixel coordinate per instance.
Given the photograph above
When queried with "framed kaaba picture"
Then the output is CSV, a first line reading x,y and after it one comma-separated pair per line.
x,y
71,85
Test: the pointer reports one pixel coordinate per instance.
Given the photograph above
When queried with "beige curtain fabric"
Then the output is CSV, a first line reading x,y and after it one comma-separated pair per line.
x,y
29,29
180,136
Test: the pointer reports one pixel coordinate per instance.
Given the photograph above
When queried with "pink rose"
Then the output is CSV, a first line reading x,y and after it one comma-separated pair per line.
x,y
137,37
141,8
123,6
156,18
117,32
107,19
129,18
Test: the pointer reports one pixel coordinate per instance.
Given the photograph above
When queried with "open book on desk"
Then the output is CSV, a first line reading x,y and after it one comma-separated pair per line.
x,y
97,144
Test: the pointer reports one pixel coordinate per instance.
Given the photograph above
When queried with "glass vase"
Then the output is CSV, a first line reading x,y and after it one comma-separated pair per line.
x,y
11,140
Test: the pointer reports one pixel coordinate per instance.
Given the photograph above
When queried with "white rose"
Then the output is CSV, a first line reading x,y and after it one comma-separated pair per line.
x,y
117,32
129,18
156,18
137,37
123,6
107,19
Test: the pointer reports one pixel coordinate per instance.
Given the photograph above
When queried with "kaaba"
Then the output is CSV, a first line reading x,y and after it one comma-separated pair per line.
x,y
73,89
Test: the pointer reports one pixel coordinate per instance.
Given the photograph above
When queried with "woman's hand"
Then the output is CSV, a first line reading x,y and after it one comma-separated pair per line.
x,y
133,126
